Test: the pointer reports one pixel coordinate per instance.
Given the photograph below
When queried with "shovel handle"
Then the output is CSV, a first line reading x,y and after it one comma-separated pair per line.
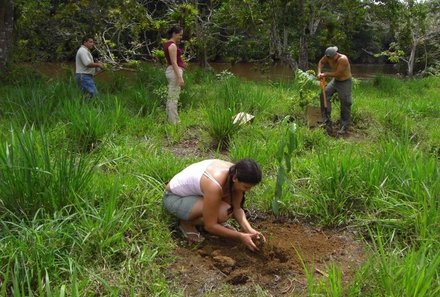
x,y
324,96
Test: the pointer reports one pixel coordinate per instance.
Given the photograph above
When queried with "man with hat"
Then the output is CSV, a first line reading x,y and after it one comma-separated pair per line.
x,y
341,83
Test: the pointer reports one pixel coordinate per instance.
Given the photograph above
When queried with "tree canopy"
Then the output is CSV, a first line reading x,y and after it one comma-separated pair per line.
x,y
295,32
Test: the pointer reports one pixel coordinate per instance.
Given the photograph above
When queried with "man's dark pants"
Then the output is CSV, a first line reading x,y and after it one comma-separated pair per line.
x,y
344,91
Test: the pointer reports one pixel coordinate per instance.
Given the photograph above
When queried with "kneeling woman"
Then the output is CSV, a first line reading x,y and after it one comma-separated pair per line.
x,y
208,193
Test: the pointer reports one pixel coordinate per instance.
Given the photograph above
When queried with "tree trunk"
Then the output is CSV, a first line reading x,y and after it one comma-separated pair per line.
x,y
201,32
6,30
202,48
412,58
277,49
303,58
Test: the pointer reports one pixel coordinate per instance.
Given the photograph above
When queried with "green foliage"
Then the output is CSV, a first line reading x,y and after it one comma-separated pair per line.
x,y
141,102
20,75
406,273
184,14
56,29
161,166
414,27
88,125
244,24
31,262
33,177
229,30
159,55
337,184
258,145
308,87
118,82
220,114
103,228
220,126
34,109
394,54
387,84
36,103
287,146
151,76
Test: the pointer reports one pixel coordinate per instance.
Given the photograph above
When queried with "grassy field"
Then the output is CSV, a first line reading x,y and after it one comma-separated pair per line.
x,y
81,181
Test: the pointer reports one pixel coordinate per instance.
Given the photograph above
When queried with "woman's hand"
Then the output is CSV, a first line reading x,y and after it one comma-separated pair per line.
x,y
180,82
248,240
258,235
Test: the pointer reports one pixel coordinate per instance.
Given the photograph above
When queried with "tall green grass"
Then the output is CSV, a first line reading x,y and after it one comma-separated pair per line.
x,y
37,104
89,124
255,143
71,250
412,272
34,177
220,112
394,187
141,102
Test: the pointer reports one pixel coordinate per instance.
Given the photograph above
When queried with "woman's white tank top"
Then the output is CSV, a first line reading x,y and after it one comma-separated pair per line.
x,y
187,181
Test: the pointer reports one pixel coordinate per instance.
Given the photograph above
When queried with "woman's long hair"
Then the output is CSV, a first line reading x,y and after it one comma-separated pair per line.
x,y
247,171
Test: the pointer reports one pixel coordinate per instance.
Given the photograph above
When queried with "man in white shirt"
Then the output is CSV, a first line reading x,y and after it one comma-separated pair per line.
x,y
85,67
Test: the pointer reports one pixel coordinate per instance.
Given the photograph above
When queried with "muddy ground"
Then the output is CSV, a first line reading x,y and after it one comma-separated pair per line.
x,y
219,266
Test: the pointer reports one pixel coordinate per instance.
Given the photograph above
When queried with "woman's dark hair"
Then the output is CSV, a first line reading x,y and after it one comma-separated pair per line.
x,y
175,29
246,171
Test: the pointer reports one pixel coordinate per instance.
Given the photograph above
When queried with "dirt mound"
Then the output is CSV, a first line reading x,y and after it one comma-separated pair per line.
x,y
219,265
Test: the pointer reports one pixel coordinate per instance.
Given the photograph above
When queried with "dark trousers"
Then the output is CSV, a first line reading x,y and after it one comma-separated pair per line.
x,y
344,91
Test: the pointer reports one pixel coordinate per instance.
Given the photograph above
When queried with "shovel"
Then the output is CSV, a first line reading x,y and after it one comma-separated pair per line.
x,y
324,96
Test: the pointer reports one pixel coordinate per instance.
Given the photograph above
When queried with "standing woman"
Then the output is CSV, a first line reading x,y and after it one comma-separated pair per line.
x,y
174,71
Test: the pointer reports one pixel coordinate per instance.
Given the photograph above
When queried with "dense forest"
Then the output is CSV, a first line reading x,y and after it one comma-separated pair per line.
x,y
294,32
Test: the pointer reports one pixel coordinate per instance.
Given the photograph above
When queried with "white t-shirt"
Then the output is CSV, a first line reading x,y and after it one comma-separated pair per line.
x,y
84,58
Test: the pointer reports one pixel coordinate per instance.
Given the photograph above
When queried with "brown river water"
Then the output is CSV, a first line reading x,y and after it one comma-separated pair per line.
x,y
282,72
247,71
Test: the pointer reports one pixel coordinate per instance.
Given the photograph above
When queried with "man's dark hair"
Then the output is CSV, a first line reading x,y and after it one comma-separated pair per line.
x,y
175,29
86,38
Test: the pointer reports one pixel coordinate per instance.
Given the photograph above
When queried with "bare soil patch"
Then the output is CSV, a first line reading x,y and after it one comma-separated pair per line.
x,y
186,147
192,144
313,120
218,265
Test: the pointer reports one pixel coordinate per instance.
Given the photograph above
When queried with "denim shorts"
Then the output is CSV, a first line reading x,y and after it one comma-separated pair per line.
x,y
179,206
86,84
